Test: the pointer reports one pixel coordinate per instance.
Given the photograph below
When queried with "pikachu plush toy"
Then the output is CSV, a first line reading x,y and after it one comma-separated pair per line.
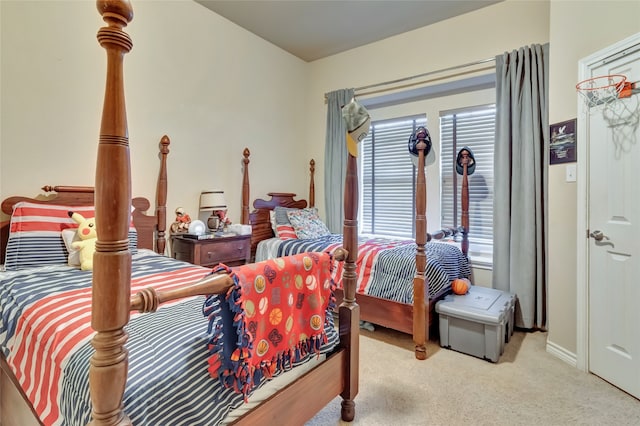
x,y
88,237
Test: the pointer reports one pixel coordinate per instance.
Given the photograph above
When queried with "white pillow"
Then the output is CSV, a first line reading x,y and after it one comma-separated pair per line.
x,y
272,219
70,236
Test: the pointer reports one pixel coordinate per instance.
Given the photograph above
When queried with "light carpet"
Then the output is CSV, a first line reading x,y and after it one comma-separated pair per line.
x,y
527,386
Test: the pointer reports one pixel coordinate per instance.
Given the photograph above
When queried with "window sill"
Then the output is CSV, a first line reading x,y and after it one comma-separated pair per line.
x,y
389,237
479,261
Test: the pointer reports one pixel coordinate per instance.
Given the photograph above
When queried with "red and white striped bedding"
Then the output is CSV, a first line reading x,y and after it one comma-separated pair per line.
x,y
35,237
45,334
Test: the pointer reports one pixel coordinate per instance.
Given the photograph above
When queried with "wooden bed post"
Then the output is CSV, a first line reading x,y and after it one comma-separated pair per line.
x,y
112,260
161,196
349,311
465,204
312,186
420,283
245,187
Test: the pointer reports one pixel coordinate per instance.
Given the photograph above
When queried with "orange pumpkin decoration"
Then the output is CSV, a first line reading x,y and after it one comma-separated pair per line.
x,y
460,286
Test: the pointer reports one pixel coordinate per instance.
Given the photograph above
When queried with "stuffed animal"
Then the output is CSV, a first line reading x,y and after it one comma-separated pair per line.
x,y
88,236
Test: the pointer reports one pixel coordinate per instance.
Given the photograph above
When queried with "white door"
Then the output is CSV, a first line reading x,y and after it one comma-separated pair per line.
x,y
613,137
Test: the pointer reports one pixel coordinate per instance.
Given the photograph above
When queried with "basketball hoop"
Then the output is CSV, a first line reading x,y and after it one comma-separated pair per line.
x,y
604,89
619,111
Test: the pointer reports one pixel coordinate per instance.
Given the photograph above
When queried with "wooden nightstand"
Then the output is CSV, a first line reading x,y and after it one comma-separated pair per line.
x,y
232,251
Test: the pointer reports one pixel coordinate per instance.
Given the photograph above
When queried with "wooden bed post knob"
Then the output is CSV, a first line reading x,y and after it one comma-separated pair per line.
x,y
115,11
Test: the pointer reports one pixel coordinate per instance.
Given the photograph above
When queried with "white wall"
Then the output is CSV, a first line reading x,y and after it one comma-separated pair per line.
x,y
577,30
211,86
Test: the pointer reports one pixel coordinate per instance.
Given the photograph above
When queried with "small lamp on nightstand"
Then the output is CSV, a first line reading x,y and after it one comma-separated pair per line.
x,y
213,201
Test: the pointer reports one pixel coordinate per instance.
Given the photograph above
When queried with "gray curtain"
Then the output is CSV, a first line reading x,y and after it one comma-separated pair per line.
x,y
520,198
335,159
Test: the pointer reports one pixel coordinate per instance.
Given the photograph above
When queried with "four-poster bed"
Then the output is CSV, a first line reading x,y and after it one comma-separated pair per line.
x,y
119,285
417,316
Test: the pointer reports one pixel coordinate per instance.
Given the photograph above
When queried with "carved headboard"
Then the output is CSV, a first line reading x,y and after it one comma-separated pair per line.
x,y
259,218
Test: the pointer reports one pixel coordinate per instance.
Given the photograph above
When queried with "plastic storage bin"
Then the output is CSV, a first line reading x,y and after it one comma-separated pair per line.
x,y
478,323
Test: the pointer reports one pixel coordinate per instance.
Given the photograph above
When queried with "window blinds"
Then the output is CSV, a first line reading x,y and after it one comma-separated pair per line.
x,y
388,179
474,128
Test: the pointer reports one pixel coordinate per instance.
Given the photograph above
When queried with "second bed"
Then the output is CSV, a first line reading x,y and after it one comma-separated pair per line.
x,y
398,281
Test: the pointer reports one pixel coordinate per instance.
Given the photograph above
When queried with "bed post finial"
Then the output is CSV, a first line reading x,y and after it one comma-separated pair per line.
x,y
111,288
245,187
117,13
312,185
161,196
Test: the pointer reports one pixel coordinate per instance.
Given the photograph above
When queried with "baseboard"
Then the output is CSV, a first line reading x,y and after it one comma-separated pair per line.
x,y
560,352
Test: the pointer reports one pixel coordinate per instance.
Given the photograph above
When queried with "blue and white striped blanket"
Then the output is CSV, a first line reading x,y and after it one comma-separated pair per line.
x,y
386,267
168,381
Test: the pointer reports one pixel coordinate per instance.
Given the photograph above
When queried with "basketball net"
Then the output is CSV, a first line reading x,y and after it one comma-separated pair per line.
x,y
623,117
612,95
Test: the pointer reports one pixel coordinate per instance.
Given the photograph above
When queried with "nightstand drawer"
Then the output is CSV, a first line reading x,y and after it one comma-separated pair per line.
x,y
215,252
232,251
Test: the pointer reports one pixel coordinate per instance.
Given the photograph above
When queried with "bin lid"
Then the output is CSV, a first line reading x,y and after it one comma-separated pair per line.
x,y
479,304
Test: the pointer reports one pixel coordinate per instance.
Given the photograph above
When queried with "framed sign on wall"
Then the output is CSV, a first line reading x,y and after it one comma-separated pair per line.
x,y
562,143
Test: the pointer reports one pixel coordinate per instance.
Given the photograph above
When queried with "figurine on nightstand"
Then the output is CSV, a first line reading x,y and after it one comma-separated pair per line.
x,y
182,221
223,220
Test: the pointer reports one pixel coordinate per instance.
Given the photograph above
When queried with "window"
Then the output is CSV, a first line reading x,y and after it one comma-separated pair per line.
x,y
474,128
388,179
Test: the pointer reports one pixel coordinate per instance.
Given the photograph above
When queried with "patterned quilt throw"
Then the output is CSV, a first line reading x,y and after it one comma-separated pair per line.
x,y
272,317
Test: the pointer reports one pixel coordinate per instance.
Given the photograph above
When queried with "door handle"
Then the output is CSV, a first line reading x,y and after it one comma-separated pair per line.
x,y
598,235
601,239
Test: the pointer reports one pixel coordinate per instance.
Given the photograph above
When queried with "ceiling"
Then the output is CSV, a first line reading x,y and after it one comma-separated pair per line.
x,y
314,29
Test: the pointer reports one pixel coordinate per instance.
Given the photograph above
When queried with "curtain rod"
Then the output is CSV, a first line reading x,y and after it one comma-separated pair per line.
x,y
400,80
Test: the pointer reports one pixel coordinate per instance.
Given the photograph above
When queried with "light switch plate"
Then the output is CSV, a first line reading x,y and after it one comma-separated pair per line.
x,y
571,173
